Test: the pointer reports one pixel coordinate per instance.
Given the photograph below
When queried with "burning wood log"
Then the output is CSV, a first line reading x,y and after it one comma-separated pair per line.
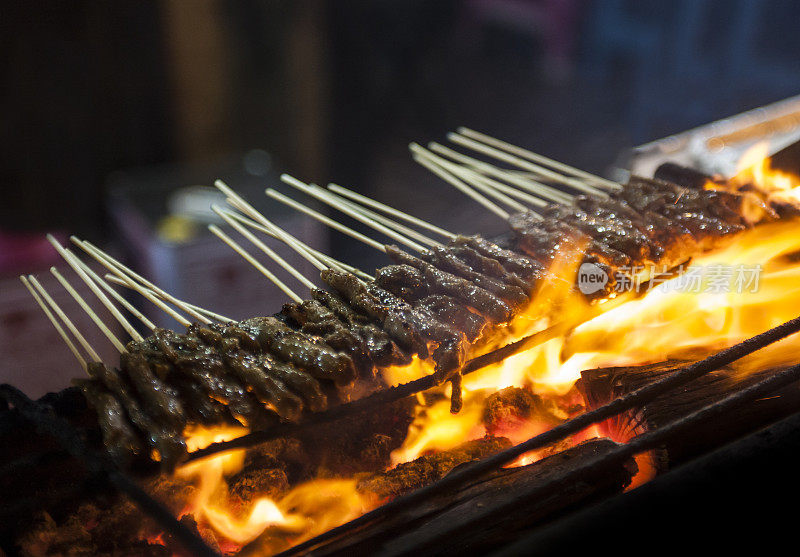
x,y
418,529
600,386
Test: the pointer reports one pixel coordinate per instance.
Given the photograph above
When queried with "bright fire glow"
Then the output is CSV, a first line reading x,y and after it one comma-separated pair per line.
x,y
668,321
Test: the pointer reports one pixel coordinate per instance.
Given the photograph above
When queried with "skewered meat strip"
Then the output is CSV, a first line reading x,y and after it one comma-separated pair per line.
x,y
161,401
408,283
119,437
382,350
159,435
413,326
618,233
671,242
387,312
488,266
316,319
201,364
306,352
245,365
483,301
529,270
441,258
688,207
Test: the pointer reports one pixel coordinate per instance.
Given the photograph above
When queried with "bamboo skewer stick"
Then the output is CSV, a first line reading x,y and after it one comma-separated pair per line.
x,y
386,221
326,197
92,315
461,186
522,163
316,253
472,178
116,267
54,321
295,273
73,262
325,220
532,186
116,295
369,202
150,295
93,355
250,259
599,181
238,202
126,283
262,246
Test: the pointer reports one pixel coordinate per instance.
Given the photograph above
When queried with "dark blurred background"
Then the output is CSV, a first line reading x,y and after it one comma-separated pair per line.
x,y
110,110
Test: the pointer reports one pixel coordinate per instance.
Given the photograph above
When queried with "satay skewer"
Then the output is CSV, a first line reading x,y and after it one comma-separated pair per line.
x,y
117,268
91,352
73,262
386,221
127,284
599,181
62,333
462,187
117,296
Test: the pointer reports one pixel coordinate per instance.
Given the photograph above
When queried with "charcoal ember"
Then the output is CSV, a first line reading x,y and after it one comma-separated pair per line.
x,y
45,537
258,482
338,447
206,534
286,454
428,468
377,452
511,407
172,491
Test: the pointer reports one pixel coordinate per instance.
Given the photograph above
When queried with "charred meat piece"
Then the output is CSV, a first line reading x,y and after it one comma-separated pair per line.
x,y
245,366
189,357
316,319
308,353
489,266
119,437
529,270
446,309
414,327
159,435
671,242
441,282
444,260
453,313
161,400
380,347
618,233
404,281
389,313
687,207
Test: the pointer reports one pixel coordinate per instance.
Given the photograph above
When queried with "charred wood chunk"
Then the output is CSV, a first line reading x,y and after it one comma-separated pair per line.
x,y
426,469
477,517
600,386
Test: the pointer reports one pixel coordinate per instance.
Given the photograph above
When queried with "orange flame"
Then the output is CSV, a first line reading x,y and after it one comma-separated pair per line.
x,y
668,321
